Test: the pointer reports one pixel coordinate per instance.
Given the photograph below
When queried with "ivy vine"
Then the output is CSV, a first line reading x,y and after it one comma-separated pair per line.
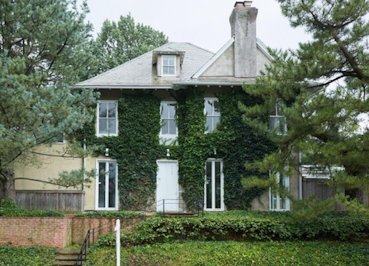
x,y
137,148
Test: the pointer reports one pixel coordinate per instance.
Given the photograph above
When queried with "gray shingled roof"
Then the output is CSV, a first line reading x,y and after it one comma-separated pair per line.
x,y
140,72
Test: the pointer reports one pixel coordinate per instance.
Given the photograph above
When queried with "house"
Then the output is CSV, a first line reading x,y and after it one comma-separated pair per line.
x,y
171,133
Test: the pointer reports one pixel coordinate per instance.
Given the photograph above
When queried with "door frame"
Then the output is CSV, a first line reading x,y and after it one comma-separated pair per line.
x,y
156,189
97,186
213,185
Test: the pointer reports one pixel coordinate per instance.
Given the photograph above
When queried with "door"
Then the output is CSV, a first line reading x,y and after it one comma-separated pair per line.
x,y
214,186
167,188
106,188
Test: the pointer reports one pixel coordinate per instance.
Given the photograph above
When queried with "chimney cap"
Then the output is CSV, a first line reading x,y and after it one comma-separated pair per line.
x,y
243,3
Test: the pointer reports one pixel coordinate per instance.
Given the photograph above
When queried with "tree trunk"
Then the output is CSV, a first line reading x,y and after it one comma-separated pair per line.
x,y
7,187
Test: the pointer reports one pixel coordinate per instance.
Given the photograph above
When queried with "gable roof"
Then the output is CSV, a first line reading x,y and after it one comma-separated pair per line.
x,y
139,73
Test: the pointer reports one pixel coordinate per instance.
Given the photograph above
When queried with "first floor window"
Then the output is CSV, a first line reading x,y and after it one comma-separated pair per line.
x,y
280,202
212,112
214,185
107,185
107,120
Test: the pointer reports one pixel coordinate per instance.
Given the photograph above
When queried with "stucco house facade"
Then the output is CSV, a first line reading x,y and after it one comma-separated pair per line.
x,y
171,131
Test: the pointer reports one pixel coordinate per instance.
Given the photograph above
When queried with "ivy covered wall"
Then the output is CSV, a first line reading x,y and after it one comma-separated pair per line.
x,y
137,147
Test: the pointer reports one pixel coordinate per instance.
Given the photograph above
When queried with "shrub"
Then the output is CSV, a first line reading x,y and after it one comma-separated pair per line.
x,y
17,212
23,256
112,214
253,227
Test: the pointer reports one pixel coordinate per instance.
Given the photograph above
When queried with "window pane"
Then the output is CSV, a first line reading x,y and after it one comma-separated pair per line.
x,y
172,110
168,70
209,107
216,120
216,108
172,127
164,110
209,124
103,126
164,127
217,185
208,186
112,174
103,110
112,126
101,184
111,110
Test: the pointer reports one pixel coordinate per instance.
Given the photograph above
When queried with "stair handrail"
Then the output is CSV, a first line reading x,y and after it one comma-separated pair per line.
x,y
82,256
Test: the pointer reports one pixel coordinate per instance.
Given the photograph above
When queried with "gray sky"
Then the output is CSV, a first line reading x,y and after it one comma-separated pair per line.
x,y
202,22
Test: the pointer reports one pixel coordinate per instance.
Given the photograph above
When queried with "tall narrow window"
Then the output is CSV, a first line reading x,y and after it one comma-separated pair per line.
x,y
214,185
277,121
277,201
106,189
212,111
168,65
107,122
168,120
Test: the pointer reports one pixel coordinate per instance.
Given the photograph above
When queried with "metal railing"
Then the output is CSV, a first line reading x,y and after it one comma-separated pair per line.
x,y
82,256
165,206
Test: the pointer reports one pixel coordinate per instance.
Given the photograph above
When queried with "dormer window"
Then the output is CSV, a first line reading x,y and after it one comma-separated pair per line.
x,y
168,65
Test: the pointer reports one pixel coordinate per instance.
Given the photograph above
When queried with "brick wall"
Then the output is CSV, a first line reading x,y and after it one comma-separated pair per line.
x,y
55,232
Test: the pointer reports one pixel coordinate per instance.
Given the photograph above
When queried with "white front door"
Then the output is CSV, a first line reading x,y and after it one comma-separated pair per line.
x,y
214,185
106,185
167,188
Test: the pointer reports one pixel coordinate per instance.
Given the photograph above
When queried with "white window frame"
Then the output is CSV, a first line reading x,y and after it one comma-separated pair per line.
x,y
212,99
167,137
278,197
213,160
114,134
61,142
106,191
279,118
174,66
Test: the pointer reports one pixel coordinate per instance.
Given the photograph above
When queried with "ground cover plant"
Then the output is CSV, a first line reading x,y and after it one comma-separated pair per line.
x,y
111,214
26,256
8,208
237,253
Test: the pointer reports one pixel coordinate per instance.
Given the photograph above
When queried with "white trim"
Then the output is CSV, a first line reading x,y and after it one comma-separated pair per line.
x,y
164,138
213,59
213,160
98,119
106,191
278,197
162,65
213,99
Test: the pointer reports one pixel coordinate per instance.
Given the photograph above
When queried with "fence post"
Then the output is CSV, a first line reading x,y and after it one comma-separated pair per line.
x,y
163,206
117,241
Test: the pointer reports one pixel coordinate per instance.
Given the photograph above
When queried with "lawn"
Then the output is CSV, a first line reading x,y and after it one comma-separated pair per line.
x,y
26,256
237,253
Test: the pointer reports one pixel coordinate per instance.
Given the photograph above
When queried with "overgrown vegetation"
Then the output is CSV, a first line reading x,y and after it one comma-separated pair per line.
x,y
254,226
111,214
137,148
237,253
8,208
26,256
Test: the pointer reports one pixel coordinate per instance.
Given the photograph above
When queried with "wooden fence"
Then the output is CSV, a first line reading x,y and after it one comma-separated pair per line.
x,y
63,200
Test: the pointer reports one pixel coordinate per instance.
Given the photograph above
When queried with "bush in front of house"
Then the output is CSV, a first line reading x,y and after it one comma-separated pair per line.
x,y
24,256
341,226
8,208
112,214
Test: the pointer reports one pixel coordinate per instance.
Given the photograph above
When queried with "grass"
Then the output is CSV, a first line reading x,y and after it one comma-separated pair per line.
x,y
26,256
237,253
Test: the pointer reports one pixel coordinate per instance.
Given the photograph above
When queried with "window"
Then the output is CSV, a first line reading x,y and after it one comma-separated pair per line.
x,y
60,138
107,122
212,111
277,121
214,185
168,120
106,185
278,202
168,65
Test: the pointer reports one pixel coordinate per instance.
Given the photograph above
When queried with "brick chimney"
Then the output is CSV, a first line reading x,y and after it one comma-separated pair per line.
x,y
243,29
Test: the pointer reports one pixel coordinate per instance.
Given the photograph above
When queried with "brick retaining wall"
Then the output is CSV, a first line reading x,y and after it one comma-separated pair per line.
x,y
57,232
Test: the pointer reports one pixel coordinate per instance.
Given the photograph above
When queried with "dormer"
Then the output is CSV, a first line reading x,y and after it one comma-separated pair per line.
x,y
168,63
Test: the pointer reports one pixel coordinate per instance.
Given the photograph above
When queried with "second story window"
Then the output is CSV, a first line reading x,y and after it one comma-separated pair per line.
x,y
212,112
277,121
107,120
168,65
168,119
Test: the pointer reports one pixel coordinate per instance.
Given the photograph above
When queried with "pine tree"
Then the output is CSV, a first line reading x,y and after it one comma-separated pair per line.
x,y
321,89
42,53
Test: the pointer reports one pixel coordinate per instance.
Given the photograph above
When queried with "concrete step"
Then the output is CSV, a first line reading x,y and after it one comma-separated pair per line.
x,y
66,257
